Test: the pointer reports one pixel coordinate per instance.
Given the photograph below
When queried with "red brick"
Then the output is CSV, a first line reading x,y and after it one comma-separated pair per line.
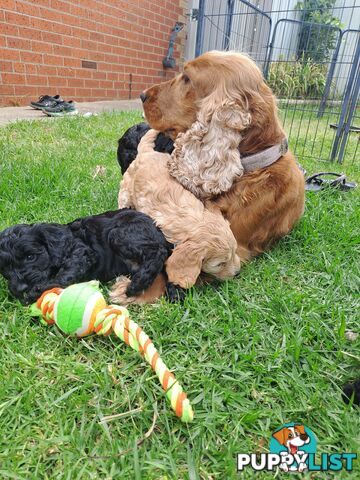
x,y
44,3
10,54
6,89
53,60
36,80
6,66
48,70
27,91
61,28
9,29
50,37
71,41
17,43
65,72
72,62
19,67
76,10
13,78
8,4
27,8
57,81
79,32
17,19
31,69
62,51
83,92
60,6
75,82
31,57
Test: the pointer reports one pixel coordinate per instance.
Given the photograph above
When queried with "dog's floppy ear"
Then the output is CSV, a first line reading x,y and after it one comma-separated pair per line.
x,y
5,255
300,429
184,264
206,159
57,241
280,436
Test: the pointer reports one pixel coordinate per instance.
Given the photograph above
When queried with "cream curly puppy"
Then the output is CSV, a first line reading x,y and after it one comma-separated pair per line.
x,y
202,237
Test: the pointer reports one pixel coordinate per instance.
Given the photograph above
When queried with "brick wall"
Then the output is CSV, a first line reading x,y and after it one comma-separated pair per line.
x,y
43,44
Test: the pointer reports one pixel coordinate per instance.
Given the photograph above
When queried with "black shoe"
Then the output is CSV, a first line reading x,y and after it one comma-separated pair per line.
x,y
61,109
46,101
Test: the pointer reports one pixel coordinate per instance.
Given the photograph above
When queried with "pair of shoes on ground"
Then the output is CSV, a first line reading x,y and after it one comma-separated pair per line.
x,y
55,106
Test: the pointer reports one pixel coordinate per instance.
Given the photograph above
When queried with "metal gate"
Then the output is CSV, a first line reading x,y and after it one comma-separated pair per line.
x,y
313,68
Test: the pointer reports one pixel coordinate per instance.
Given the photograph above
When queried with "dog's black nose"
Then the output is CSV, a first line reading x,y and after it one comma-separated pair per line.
x,y
18,290
304,436
143,97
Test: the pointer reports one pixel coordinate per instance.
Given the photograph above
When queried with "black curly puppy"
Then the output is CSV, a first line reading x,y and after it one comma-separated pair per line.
x,y
34,258
351,389
128,143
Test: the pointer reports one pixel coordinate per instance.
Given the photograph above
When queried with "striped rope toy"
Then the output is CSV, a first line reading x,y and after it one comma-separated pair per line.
x,y
81,310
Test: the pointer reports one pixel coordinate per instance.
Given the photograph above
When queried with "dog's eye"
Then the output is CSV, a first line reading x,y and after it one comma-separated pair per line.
x,y
30,257
221,264
185,78
290,435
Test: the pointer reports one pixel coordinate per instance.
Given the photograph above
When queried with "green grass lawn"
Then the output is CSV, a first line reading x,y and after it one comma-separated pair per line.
x,y
311,137
266,348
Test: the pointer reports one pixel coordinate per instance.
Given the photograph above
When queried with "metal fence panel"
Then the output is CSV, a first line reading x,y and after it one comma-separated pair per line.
x,y
312,66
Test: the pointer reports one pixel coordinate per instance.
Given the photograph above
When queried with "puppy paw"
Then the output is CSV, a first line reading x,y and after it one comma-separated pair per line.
x,y
118,292
174,293
302,467
284,467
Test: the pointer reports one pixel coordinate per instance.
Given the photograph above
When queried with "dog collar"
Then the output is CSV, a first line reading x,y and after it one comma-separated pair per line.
x,y
265,158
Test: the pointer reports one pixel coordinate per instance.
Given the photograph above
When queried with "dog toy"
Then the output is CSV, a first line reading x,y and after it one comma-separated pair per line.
x,y
81,310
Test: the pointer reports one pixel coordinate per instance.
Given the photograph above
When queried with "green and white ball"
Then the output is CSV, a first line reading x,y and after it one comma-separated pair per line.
x,y
77,306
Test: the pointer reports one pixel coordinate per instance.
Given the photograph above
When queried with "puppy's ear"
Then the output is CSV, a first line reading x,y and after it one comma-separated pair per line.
x,y
184,265
280,436
57,241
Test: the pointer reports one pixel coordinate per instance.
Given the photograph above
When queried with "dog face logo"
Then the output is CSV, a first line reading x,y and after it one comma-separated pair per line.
x,y
293,442
292,437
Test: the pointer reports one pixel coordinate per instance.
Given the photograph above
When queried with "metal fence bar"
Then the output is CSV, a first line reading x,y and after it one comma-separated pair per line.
x,y
354,98
229,19
330,76
200,28
344,107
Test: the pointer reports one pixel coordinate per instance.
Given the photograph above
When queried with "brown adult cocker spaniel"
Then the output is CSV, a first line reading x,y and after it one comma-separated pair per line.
x,y
227,111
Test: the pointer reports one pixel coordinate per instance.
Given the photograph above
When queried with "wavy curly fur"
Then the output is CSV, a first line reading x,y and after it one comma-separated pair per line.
x,y
206,159
202,236
36,257
222,98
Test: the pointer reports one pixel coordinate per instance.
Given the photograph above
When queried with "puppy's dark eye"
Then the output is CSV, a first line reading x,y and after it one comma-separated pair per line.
x,y
30,257
290,435
185,78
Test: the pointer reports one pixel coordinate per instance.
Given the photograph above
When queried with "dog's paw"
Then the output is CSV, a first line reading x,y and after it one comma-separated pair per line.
x,y
174,293
118,292
284,467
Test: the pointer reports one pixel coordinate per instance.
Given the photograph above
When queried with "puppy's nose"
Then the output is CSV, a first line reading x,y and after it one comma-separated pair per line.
x,y
304,436
143,97
18,289
21,287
